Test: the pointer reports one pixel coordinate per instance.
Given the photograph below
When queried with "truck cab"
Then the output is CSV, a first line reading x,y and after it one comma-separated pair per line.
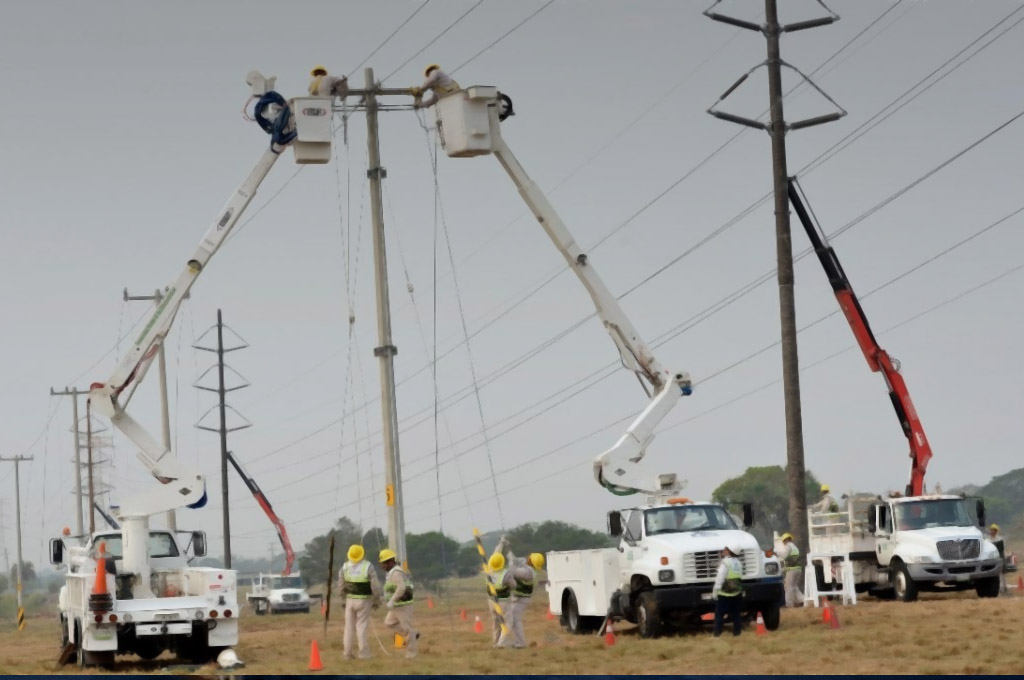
x,y
662,570
274,594
903,545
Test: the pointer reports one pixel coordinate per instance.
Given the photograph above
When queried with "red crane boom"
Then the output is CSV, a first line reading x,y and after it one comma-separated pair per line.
x,y
282,533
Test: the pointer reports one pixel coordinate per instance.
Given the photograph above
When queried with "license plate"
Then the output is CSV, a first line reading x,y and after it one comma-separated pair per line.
x,y
705,596
102,634
963,577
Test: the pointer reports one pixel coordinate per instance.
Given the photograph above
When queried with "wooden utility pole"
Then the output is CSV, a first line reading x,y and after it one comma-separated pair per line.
x,y
73,393
17,518
777,128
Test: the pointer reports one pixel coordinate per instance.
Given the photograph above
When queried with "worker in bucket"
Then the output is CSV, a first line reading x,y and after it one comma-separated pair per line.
x,y
360,591
321,84
439,83
398,590
827,502
521,578
790,556
498,579
728,591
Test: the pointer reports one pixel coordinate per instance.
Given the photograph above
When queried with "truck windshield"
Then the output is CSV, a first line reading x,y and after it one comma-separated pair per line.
x,y
161,544
926,514
686,518
279,582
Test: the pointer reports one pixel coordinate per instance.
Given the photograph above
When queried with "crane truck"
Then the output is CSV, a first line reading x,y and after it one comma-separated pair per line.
x,y
907,542
669,547
133,591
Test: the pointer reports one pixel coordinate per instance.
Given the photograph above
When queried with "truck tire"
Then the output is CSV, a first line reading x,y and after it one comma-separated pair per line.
x,y
987,587
573,621
648,618
772,616
903,586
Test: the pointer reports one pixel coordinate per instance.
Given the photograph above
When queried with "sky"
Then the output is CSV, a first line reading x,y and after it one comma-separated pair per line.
x,y
125,137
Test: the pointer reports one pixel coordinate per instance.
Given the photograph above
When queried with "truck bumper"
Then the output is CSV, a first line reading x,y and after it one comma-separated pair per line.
x,y
290,606
955,572
698,597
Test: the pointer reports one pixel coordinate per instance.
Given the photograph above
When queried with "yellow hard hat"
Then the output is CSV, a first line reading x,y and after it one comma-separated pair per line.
x,y
994,526
496,562
318,70
387,554
355,552
824,488
537,560
429,68
785,536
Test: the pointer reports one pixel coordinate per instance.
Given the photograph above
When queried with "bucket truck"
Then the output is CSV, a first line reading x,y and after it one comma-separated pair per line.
x,y
907,542
150,598
669,547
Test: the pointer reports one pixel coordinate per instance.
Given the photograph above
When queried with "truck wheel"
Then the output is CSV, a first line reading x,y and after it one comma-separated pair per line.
x,y
772,616
903,585
988,587
571,618
648,619
65,637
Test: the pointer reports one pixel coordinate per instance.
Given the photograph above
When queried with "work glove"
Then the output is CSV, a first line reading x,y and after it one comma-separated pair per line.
x,y
416,91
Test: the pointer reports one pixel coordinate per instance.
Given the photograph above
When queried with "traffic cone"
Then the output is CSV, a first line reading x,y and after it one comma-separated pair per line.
x,y
478,625
826,613
314,658
609,634
399,641
430,603
761,630
462,615
323,607
550,615
1020,584
100,599
833,617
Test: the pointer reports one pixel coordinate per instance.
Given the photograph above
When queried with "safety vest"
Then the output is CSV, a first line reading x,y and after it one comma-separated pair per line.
x,y
733,585
497,580
793,558
390,587
523,587
357,580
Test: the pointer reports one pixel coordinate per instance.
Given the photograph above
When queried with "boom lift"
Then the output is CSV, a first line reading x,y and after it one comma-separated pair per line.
x,y
469,125
878,359
261,498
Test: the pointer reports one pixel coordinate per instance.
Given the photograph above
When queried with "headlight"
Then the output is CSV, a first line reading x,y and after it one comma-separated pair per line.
x,y
919,559
771,568
666,576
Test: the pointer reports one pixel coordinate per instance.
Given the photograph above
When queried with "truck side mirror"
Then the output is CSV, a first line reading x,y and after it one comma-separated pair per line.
x,y
56,551
979,507
199,543
614,523
748,515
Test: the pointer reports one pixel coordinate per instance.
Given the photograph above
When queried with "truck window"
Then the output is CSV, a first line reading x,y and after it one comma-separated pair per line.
x,y
949,512
279,582
687,518
161,544
634,526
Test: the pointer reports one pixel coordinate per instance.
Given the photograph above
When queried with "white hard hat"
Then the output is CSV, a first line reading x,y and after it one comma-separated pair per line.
x,y
734,550
227,659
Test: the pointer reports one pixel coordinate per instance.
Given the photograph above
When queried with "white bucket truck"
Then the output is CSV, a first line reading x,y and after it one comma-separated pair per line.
x,y
277,593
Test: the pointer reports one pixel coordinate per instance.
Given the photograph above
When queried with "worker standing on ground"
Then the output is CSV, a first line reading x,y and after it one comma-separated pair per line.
x,y
728,591
398,591
827,502
790,555
520,578
997,540
360,592
438,82
322,84
496,579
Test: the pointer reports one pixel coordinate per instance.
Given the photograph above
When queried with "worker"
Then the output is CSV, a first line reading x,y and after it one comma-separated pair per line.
x,y
496,579
438,82
322,84
520,579
790,555
827,502
728,591
997,540
398,589
360,592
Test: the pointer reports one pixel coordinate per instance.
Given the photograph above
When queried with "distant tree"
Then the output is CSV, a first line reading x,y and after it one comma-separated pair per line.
x,y
373,541
467,562
4,583
432,556
768,489
553,535
28,574
314,557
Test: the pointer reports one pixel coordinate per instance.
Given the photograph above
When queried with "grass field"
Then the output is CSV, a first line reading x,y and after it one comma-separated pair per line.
x,y
940,634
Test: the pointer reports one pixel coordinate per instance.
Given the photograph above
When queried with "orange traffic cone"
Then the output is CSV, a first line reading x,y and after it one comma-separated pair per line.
x,y
761,630
833,617
478,625
314,658
826,613
100,599
1020,583
430,603
550,616
323,607
462,614
609,634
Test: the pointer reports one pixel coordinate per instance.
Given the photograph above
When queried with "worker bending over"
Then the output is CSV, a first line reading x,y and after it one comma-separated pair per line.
x,y
398,591
790,556
502,591
728,591
520,579
439,83
827,502
360,591
323,85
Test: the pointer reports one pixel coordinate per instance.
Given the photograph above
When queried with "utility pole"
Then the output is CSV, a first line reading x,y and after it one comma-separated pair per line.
x,y
17,518
157,297
73,393
777,128
88,443
223,429
386,350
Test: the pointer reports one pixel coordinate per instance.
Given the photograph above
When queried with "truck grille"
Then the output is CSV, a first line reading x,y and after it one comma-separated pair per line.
x,y
705,564
963,549
290,597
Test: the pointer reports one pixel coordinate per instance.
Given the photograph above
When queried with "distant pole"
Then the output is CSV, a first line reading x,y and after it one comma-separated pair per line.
x,y
73,393
88,443
386,350
223,442
777,128
17,518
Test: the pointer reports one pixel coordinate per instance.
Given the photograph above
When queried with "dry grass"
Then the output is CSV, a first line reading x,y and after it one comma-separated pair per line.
x,y
940,634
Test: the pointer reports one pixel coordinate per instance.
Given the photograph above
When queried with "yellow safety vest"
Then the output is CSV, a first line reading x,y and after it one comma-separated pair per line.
x,y
357,580
390,588
524,587
733,585
497,579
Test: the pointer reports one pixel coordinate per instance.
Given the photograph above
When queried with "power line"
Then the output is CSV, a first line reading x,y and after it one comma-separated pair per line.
x,y
434,40
505,35
388,39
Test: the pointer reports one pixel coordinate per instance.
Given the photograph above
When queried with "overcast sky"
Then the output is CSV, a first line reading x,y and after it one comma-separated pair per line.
x,y
124,137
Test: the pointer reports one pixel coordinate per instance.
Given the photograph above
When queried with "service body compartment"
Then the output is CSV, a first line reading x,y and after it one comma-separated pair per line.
x,y
591,576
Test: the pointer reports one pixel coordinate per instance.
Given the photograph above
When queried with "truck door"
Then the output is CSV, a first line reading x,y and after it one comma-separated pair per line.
x,y
629,544
884,540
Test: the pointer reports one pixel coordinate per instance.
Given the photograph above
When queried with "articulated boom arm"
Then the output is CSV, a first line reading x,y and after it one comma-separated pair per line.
x,y
613,468
878,359
282,533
